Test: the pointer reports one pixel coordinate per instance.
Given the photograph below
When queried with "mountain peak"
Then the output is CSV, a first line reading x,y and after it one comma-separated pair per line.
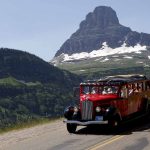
x,y
101,25
101,17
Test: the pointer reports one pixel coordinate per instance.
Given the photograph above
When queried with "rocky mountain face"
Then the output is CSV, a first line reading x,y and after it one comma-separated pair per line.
x,y
102,46
101,25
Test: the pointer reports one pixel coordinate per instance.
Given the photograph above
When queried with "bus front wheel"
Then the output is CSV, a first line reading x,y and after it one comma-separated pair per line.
x,y
71,127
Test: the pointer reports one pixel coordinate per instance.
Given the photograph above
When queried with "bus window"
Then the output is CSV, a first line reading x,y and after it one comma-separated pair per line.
x,y
94,90
124,92
135,88
89,89
148,85
130,89
140,87
144,86
110,90
100,89
85,90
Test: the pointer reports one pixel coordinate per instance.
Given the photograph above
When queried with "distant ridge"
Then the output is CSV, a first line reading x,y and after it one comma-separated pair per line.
x,y
29,68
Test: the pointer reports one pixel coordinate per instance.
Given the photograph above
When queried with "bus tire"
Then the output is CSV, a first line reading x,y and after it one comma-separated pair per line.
x,y
71,128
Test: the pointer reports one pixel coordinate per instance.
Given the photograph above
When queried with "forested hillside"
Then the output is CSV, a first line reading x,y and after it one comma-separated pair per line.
x,y
31,88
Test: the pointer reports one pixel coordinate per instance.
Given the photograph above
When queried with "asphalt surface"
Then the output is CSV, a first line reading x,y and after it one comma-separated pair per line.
x,y
134,135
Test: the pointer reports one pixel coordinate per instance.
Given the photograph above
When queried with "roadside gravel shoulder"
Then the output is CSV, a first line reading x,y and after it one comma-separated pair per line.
x,y
26,133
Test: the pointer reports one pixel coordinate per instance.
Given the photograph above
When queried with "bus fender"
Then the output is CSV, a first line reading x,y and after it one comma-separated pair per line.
x,y
68,112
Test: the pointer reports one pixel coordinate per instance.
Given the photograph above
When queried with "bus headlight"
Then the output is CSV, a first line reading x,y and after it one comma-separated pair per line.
x,y
98,109
76,109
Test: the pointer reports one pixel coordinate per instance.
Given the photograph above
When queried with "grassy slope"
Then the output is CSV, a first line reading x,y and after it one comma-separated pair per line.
x,y
11,81
14,82
97,66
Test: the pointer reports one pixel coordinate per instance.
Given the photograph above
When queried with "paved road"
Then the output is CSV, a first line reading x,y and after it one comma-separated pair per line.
x,y
131,136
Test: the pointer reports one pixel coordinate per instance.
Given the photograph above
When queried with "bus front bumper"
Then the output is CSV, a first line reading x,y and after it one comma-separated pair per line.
x,y
85,122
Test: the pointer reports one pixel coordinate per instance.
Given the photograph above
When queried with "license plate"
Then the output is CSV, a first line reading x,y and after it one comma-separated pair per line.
x,y
99,118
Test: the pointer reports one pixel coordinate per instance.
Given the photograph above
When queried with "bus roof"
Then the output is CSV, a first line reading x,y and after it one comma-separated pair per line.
x,y
116,80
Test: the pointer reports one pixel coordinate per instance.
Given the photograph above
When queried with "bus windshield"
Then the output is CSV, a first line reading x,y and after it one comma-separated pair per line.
x,y
88,89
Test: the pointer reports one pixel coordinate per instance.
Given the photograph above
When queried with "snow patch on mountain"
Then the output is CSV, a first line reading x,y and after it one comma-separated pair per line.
x,y
82,70
128,57
115,56
139,62
117,59
106,59
105,51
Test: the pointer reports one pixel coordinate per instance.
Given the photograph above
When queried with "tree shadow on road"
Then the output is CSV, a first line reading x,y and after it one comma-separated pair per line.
x,y
125,128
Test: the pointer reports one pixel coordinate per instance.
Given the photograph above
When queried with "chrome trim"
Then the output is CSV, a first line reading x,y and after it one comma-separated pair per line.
x,y
86,122
87,110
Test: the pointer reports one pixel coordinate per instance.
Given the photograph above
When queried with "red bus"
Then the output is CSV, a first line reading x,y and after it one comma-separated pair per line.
x,y
110,100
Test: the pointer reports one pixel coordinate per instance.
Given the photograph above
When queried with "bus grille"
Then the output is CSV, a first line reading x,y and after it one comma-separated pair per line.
x,y
87,110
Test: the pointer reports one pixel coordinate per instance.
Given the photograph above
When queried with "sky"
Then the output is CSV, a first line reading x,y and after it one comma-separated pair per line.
x,y
40,27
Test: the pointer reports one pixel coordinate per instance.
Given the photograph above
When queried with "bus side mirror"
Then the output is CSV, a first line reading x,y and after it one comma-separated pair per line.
x,y
76,92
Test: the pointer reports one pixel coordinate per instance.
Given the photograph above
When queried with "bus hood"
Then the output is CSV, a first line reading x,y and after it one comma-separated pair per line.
x,y
97,97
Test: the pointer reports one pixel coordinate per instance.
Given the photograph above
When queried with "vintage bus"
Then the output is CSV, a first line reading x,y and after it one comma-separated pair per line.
x,y
110,100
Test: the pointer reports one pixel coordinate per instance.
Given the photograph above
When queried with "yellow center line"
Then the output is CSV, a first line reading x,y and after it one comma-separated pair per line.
x,y
106,142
